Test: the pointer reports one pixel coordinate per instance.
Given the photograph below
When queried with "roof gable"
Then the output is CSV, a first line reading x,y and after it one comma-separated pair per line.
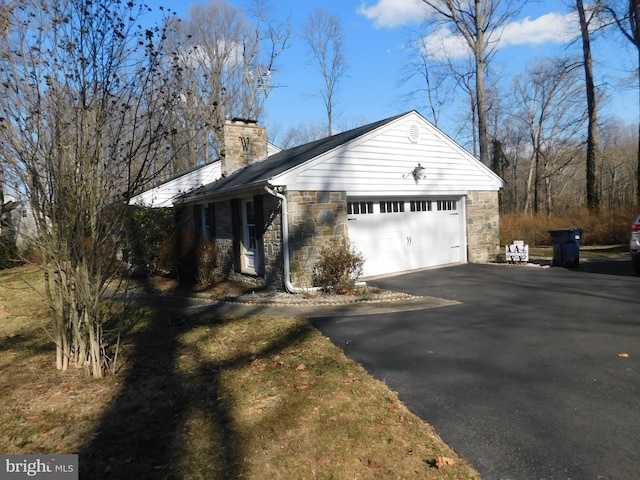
x,y
370,160
382,161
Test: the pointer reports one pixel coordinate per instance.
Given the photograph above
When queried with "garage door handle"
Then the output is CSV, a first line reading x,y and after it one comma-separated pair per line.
x,y
408,241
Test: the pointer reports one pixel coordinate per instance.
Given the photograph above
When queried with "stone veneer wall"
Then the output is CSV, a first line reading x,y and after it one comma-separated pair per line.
x,y
315,217
272,239
224,239
483,226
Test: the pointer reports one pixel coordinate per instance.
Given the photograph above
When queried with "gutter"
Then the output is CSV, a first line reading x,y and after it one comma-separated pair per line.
x,y
289,287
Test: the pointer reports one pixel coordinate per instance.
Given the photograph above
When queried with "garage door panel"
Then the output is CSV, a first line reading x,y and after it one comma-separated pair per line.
x,y
399,241
381,248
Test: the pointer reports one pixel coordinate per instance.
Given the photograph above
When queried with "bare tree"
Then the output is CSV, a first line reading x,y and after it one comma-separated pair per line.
x,y
440,76
324,37
223,57
260,53
593,197
84,112
435,86
206,51
551,114
302,133
626,15
618,149
5,11
479,23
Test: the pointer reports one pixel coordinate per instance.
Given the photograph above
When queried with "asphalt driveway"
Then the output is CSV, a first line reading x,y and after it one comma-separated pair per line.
x,y
524,378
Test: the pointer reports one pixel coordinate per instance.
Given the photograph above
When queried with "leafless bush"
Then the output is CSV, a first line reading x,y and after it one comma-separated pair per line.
x,y
339,266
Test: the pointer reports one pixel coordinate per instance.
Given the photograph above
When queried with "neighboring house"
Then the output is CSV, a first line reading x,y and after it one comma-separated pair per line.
x,y
404,194
20,221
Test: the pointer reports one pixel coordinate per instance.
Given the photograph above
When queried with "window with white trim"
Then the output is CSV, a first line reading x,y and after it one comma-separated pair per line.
x,y
391,206
447,205
359,208
420,205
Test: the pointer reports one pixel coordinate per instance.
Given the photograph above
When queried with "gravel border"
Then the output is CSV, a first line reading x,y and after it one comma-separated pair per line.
x,y
283,298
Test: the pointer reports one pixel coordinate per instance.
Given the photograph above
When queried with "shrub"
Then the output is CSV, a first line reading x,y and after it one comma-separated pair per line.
x,y
148,232
600,228
192,259
206,258
339,266
8,253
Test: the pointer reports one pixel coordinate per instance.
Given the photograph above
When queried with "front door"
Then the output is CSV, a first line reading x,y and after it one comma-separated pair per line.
x,y
249,238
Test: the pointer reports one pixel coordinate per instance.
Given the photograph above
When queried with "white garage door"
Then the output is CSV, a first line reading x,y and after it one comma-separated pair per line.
x,y
399,235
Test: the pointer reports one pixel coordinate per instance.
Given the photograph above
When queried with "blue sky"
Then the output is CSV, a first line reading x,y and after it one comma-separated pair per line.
x,y
376,33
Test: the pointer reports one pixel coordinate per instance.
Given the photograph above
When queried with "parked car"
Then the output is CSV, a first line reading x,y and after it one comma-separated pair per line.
x,y
634,245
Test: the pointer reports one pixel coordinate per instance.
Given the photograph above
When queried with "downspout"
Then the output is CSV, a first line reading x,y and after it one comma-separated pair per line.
x,y
289,287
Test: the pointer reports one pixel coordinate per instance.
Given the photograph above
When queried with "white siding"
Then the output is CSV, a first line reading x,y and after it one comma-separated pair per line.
x,y
163,195
381,162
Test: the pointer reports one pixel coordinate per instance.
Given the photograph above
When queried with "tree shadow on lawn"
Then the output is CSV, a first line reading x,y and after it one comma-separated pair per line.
x,y
28,343
143,433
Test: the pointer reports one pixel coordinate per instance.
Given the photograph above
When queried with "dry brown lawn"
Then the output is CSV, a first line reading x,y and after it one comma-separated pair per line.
x,y
203,397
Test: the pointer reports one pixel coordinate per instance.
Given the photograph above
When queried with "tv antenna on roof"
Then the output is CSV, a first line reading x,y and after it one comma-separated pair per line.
x,y
262,77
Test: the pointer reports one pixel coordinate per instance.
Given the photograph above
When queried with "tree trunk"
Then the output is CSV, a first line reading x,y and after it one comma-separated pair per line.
x,y
593,200
480,91
60,333
474,123
529,190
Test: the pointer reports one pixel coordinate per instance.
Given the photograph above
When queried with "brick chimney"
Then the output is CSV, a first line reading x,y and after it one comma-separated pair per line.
x,y
243,142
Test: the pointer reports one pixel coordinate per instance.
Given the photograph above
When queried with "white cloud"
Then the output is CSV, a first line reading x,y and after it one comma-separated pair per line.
x,y
443,44
549,28
393,13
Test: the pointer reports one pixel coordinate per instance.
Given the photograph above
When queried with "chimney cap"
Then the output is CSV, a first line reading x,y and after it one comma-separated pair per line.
x,y
242,121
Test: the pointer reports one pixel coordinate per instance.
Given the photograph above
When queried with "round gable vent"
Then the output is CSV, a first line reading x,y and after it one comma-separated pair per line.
x,y
414,133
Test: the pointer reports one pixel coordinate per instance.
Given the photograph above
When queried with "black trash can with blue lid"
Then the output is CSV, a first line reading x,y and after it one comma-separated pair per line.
x,y
566,247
